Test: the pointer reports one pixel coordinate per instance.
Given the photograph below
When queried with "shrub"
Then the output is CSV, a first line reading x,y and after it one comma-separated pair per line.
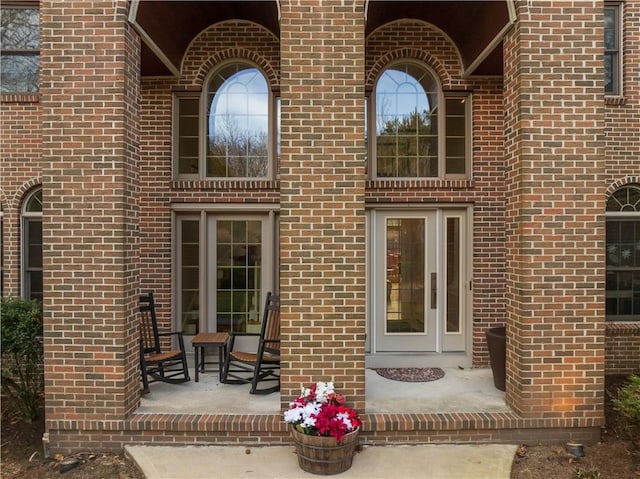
x,y
22,355
627,403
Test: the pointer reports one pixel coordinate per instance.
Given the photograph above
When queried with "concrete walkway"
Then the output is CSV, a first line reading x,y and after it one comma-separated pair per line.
x,y
487,461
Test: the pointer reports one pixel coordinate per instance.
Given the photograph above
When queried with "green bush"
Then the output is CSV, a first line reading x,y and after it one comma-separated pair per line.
x,y
627,403
22,355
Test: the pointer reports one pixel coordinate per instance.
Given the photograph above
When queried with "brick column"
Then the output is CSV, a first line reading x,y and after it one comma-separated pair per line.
x,y
554,138
90,148
322,229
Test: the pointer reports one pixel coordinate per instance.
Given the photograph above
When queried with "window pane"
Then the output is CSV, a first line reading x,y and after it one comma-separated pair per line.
x,y
19,73
19,29
453,275
456,134
625,199
238,123
405,275
188,138
19,38
623,269
406,112
610,27
190,276
612,49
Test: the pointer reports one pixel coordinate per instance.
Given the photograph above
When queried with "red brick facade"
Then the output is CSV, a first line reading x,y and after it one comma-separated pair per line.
x,y
548,150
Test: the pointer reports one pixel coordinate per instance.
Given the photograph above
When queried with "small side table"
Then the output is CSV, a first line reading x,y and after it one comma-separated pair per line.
x,y
203,340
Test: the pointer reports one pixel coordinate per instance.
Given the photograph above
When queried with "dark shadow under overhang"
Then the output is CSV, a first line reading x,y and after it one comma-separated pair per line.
x,y
167,27
476,26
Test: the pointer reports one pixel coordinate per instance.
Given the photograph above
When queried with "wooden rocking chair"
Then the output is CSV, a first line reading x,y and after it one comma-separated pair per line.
x,y
264,365
156,364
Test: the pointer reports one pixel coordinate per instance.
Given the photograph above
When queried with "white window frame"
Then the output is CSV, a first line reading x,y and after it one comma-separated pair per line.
x,y
273,128
371,109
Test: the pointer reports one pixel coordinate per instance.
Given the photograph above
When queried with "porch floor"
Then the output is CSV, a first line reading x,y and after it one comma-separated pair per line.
x,y
460,390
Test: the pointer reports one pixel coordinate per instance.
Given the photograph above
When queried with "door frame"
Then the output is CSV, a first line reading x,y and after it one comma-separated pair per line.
x,y
375,358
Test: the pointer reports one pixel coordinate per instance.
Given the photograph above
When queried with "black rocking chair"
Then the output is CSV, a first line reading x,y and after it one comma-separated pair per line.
x,y
156,364
264,365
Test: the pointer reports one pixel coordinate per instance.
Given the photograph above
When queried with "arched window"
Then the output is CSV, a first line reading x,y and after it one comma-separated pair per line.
x,y
420,131
238,135
32,284
623,254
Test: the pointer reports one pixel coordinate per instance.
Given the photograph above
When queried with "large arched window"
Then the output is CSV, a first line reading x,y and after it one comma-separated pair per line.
x,y
237,135
420,131
623,254
32,284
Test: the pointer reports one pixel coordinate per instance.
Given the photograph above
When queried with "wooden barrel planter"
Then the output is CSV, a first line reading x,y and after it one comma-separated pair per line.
x,y
323,455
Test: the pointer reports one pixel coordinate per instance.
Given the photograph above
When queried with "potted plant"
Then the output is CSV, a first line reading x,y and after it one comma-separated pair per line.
x,y
325,431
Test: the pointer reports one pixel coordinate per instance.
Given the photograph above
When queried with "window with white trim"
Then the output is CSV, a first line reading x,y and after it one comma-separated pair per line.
x,y
420,130
613,48
623,255
32,282
230,130
20,48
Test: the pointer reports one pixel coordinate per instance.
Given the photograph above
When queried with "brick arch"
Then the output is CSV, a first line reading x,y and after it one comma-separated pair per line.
x,y
620,182
237,54
407,54
23,191
4,201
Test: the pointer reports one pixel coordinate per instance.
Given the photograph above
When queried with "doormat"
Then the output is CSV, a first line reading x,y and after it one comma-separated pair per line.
x,y
412,375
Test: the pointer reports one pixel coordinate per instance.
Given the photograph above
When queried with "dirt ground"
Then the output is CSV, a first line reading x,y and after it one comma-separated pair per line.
x,y
23,457
612,458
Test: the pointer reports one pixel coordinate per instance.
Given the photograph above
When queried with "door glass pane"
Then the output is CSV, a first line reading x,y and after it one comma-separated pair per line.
x,y
238,272
453,275
405,275
190,275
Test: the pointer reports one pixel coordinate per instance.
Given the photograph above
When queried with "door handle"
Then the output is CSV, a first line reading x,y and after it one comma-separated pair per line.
x,y
434,290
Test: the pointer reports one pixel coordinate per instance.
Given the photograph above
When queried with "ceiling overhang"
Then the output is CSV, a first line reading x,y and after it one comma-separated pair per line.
x,y
477,27
168,27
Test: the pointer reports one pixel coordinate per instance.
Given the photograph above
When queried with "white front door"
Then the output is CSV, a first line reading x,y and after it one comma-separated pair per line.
x,y
419,281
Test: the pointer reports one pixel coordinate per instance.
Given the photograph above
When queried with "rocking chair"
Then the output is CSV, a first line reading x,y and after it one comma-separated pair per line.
x,y
264,365
156,364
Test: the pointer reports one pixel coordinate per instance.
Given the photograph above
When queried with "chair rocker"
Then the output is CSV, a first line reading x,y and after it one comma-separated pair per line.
x,y
262,366
156,364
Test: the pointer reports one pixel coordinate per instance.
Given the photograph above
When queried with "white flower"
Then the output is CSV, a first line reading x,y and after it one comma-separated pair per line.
x,y
345,420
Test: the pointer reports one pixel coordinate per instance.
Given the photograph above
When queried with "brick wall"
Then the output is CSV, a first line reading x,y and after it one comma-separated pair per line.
x,y
322,230
555,199
538,192
90,152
